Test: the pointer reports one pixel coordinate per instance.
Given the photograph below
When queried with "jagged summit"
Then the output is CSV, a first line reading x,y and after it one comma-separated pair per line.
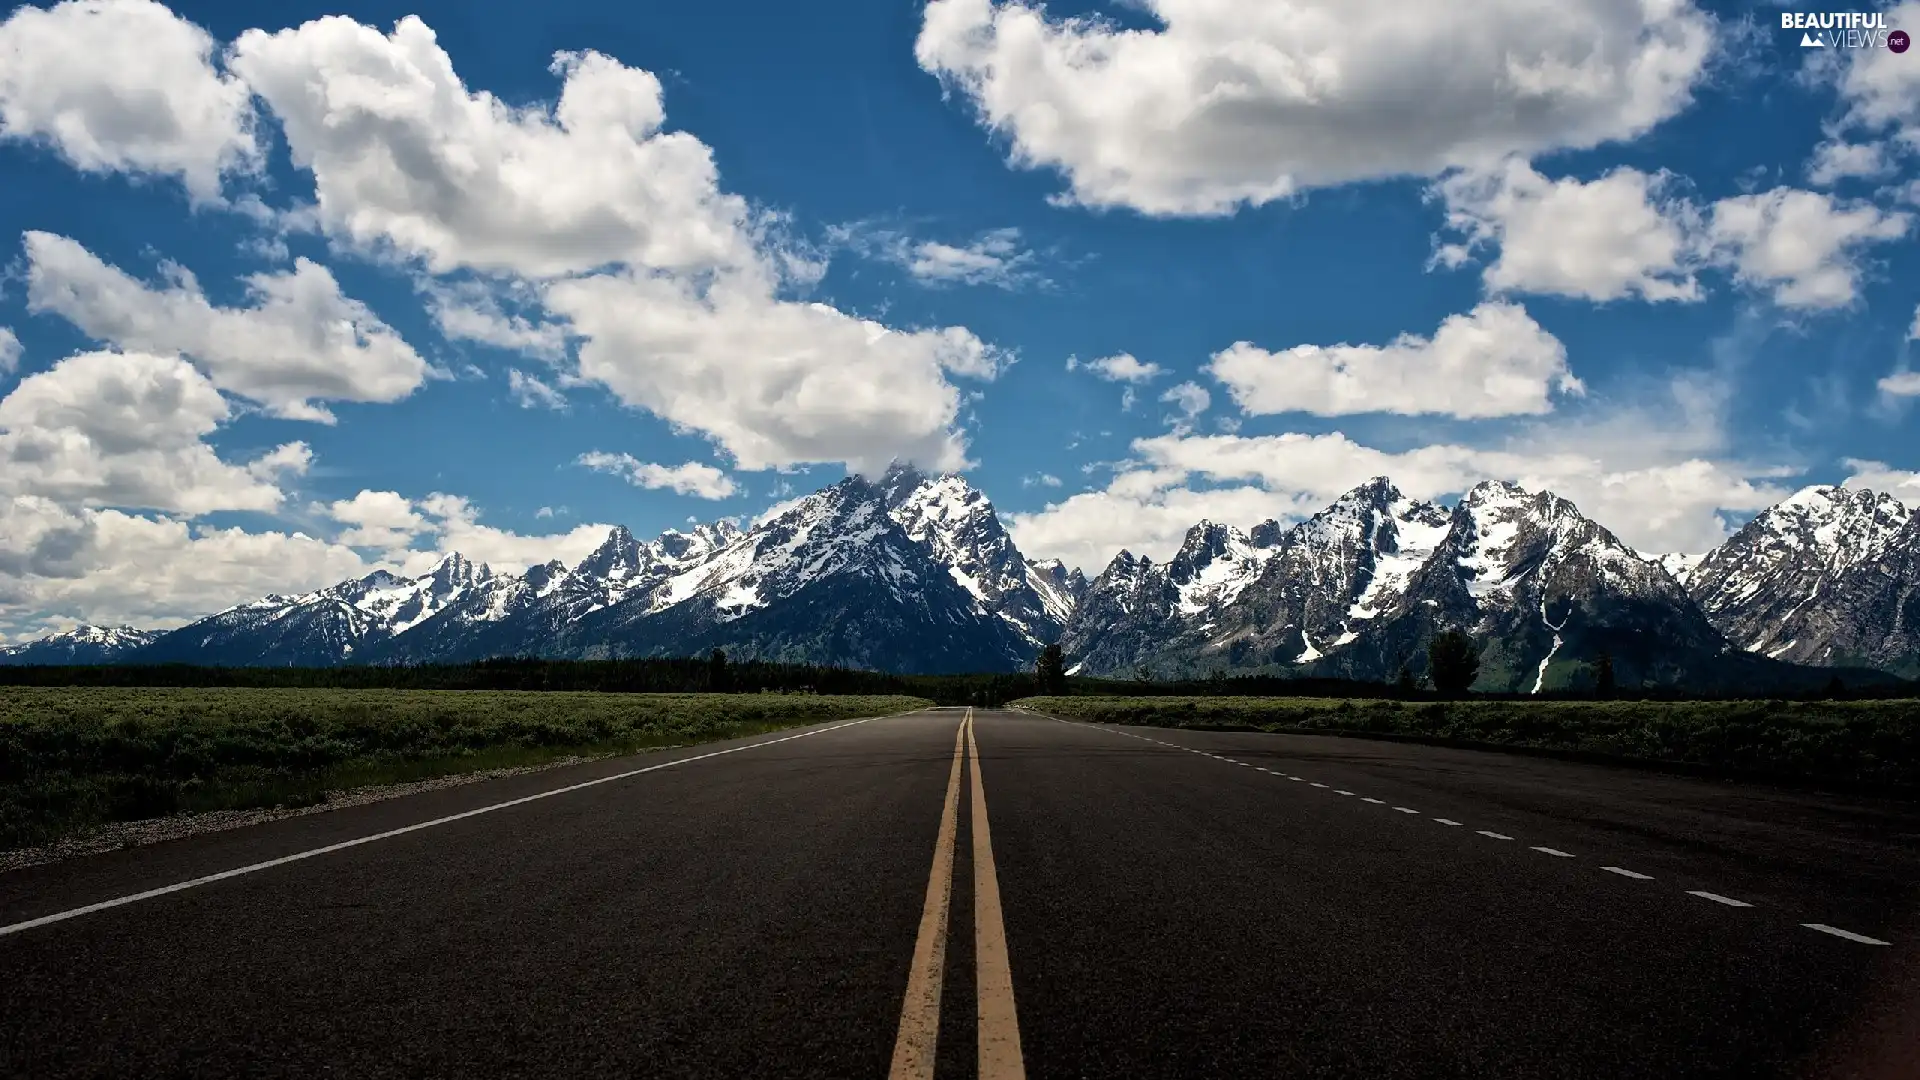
x,y
917,572
1826,576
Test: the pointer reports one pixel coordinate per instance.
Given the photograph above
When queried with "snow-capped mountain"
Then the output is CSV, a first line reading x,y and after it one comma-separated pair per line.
x,y
832,577
912,573
80,645
1137,610
1827,577
958,526
327,626
1358,589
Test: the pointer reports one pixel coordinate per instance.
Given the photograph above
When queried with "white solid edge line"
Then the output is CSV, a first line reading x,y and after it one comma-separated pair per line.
x,y
1839,933
179,886
1555,852
1623,872
1717,898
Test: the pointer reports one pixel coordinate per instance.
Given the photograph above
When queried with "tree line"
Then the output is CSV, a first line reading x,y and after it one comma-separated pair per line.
x,y
1453,663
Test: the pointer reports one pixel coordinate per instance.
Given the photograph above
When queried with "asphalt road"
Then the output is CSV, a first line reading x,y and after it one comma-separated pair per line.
x,y
1117,902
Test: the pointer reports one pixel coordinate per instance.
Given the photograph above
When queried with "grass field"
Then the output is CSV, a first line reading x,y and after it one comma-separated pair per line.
x,y
74,758
1873,742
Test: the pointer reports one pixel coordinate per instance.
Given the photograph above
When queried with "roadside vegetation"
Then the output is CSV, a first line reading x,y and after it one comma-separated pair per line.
x,y
1866,742
72,758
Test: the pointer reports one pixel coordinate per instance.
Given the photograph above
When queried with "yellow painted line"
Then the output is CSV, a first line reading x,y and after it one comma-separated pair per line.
x,y
920,1012
999,1024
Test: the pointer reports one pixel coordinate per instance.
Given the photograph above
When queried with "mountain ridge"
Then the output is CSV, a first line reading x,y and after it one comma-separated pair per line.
x,y
911,572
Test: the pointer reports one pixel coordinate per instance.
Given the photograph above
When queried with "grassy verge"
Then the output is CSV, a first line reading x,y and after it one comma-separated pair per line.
x,y
1874,743
75,758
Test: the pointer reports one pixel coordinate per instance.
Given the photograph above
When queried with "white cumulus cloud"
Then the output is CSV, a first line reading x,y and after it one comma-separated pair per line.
x,y
1617,236
677,294
1120,367
9,351
298,341
1492,361
1233,102
691,478
128,430
125,86
1804,247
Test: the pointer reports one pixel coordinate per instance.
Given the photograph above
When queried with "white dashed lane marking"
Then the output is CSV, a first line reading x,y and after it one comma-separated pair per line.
x,y
1621,871
1839,933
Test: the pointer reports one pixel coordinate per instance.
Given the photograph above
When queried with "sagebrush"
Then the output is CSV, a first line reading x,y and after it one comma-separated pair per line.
x,y
75,757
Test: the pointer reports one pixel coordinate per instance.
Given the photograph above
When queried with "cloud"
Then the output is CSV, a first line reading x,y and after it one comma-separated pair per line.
x,y
530,393
692,478
473,311
1618,236
681,310
298,340
1229,103
1881,88
1191,399
106,566
403,155
1629,234
1121,367
1879,476
9,351
995,257
385,520
1040,480
1836,160
1901,384
127,430
125,86
774,383
454,525
1803,246
1492,361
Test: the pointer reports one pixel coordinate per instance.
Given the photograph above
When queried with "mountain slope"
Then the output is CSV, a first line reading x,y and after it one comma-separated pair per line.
x,y
1826,577
961,531
320,628
832,579
80,645
1358,589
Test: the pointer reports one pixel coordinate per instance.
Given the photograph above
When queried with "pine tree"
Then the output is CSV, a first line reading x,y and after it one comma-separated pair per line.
x,y
1603,683
1051,670
719,679
1453,660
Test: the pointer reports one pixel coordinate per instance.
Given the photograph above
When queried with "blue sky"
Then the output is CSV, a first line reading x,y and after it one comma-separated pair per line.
x,y
298,297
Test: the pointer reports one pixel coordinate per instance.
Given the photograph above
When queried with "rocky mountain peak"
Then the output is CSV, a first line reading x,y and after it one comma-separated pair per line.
x,y
618,557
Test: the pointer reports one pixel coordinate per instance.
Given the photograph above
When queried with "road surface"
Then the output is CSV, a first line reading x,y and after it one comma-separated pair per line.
x,y
917,896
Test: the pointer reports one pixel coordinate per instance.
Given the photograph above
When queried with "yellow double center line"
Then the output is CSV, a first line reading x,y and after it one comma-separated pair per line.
x,y
999,1025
